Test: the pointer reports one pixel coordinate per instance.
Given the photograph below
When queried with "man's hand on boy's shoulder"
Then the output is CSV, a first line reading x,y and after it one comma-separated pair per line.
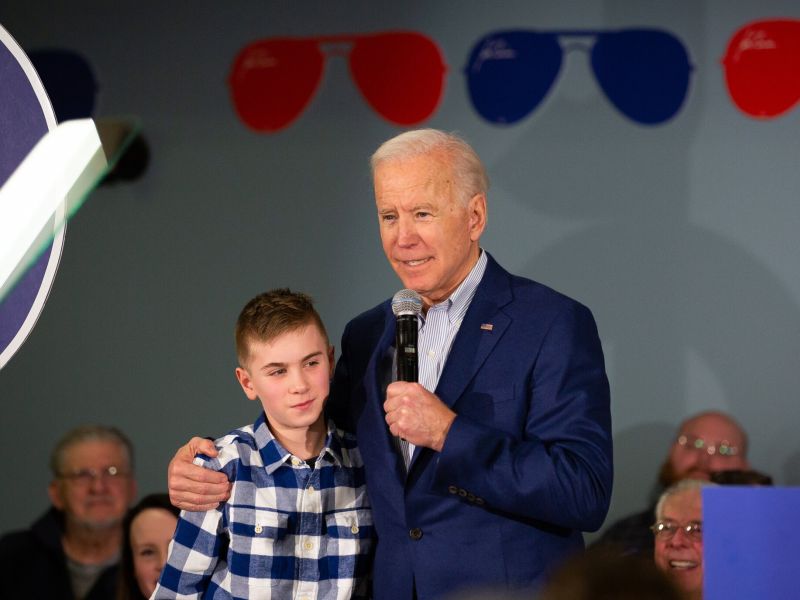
x,y
192,487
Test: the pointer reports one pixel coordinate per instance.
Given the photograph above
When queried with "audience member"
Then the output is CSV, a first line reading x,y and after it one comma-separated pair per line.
x,y
678,533
72,551
705,444
148,530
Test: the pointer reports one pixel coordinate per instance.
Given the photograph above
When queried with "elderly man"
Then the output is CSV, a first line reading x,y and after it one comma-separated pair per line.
x,y
72,551
487,470
706,443
679,536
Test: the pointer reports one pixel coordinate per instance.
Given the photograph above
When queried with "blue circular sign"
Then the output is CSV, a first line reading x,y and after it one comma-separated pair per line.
x,y
25,116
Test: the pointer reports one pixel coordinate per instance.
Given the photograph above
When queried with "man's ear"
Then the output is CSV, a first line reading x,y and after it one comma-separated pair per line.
x,y
331,357
477,216
243,377
54,491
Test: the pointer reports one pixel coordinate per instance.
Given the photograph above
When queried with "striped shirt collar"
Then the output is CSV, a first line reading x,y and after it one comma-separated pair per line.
x,y
273,454
460,299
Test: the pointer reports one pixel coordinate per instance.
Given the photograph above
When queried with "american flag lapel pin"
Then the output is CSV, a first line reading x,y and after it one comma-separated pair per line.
x,y
487,326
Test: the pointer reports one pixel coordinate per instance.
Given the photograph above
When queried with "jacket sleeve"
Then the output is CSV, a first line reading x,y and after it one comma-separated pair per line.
x,y
558,468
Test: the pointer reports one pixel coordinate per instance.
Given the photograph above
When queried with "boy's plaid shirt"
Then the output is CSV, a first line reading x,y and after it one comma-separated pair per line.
x,y
287,531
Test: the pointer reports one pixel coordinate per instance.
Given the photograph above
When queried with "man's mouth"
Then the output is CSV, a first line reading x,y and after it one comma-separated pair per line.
x,y
304,405
415,263
683,564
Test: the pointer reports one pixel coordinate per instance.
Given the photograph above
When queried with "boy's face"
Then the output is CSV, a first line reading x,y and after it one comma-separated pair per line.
x,y
291,376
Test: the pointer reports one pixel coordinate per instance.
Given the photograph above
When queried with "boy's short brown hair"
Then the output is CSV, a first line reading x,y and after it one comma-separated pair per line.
x,y
271,314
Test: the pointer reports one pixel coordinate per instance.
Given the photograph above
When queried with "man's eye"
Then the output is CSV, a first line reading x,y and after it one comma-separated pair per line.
x,y
276,372
423,215
312,363
387,218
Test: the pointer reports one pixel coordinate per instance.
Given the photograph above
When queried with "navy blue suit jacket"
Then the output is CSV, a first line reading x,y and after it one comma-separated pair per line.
x,y
527,464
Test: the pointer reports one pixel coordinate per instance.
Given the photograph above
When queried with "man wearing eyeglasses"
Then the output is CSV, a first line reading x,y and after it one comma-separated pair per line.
x,y
72,551
678,534
706,443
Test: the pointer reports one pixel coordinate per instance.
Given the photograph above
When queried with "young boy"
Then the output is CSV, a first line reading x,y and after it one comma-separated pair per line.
x,y
298,522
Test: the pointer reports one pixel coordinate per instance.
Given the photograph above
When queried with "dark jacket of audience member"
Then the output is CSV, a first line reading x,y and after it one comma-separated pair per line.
x,y
33,564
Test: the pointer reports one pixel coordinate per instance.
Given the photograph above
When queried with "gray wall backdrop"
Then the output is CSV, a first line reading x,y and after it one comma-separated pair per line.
x,y
682,238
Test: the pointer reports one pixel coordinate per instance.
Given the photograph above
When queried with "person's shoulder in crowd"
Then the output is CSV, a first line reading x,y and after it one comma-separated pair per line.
x,y
33,564
631,535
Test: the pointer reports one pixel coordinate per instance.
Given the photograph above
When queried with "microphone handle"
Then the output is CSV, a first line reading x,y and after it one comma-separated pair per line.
x,y
406,344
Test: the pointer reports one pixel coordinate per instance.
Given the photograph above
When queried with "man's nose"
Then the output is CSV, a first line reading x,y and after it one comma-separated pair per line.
x,y
99,482
680,538
406,232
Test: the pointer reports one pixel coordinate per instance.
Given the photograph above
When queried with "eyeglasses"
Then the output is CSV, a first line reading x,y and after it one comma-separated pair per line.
x,y
667,529
761,65
400,74
86,477
691,442
643,72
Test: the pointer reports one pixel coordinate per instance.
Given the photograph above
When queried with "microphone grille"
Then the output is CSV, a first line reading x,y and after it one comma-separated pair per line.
x,y
406,302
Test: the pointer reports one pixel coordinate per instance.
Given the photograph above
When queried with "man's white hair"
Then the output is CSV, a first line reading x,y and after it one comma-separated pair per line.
x,y
468,170
682,486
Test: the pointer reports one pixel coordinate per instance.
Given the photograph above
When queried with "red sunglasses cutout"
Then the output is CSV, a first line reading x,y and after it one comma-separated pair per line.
x,y
762,67
399,73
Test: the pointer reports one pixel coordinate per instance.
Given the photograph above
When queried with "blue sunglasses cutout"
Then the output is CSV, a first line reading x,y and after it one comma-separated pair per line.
x,y
643,72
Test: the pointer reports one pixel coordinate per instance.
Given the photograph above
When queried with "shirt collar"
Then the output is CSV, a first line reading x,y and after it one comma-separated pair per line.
x,y
460,299
274,455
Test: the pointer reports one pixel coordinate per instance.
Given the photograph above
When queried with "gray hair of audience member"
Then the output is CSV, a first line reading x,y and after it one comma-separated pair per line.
x,y
682,486
88,433
468,170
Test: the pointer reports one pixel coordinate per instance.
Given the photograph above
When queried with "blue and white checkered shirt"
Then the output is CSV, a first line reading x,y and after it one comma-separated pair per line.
x,y
287,531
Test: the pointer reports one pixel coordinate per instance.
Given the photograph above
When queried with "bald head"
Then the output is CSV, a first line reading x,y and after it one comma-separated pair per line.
x,y
707,442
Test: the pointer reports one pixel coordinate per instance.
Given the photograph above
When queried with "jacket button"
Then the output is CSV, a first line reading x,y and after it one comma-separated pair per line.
x,y
452,489
415,534
462,492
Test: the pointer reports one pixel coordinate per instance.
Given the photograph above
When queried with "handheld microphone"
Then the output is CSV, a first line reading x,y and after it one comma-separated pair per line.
x,y
406,306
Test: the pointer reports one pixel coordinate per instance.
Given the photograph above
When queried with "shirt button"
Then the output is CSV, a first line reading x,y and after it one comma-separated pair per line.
x,y
296,461
259,529
354,529
310,488
415,534
309,545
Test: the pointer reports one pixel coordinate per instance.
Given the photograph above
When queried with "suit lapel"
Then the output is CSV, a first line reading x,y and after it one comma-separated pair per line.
x,y
483,326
